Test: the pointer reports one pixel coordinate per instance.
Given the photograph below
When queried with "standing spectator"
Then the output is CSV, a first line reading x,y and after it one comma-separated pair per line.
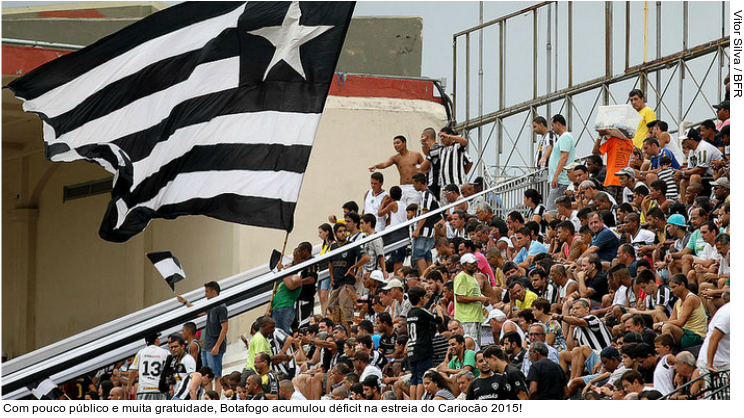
x,y
309,275
432,164
723,113
506,382
151,361
562,154
545,145
423,233
468,299
546,378
406,161
454,165
421,326
647,115
342,269
283,304
374,249
374,198
715,353
215,332
618,153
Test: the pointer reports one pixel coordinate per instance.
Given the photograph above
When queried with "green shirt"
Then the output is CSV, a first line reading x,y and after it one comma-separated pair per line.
x,y
696,243
467,360
258,344
467,285
285,297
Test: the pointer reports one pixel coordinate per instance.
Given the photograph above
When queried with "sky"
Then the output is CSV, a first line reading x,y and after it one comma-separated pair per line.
x,y
442,19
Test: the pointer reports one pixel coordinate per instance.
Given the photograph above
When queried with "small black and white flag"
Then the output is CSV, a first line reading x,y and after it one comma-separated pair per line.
x,y
204,108
46,390
168,266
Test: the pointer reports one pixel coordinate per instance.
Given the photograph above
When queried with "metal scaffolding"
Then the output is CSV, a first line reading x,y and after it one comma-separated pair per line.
x,y
657,78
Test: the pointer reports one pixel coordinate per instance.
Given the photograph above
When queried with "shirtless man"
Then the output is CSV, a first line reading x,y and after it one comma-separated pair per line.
x,y
406,161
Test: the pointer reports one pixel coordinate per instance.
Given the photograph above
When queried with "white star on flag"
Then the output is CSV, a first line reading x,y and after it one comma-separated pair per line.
x,y
288,38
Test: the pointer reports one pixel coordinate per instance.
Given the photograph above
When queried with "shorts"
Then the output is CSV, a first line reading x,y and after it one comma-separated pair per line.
x,y
212,361
398,255
325,284
150,396
422,249
591,361
690,339
554,194
418,368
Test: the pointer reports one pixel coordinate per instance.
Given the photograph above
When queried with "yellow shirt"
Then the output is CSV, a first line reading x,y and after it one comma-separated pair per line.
x,y
647,115
529,298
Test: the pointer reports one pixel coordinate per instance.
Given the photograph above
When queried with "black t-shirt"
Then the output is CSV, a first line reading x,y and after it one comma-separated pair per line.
x,y
516,360
269,383
260,397
387,344
341,264
421,326
500,386
550,379
600,285
308,290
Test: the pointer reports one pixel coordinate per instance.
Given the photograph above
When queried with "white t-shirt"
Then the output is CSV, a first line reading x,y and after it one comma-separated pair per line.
x,y
642,238
150,362
702,156
709,253
664,376
372,205
620,296
371,370
722,322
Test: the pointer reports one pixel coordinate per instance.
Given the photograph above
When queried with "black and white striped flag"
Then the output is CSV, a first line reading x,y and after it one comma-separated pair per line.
x,y
168,266
46,390
206,108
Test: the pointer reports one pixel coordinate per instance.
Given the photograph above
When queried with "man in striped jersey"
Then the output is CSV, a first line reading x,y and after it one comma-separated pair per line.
x,y
453,164
432,164
587,336
423,234
659,299
193,386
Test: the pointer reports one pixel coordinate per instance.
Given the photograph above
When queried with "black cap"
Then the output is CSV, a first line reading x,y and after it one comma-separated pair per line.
x,y
723,105
150,338
478,181
691,133
452,188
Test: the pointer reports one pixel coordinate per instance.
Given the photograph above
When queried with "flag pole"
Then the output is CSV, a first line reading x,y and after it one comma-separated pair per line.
x,y
273,292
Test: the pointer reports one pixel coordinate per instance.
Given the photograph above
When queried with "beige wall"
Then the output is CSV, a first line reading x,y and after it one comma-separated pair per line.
x,y
60,278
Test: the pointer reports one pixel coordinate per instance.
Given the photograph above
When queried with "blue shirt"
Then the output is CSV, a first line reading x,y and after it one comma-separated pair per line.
x,y
664,152
607,242
535,248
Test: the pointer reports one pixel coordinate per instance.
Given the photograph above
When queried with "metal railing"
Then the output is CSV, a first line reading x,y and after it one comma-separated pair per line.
x,y
67,361
717,386
675,89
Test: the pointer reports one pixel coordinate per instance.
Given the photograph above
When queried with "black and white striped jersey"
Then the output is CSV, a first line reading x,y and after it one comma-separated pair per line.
x,y
453,161
595,335
662,297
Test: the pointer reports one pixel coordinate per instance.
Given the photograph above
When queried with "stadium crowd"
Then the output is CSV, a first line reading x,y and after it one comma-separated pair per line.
x,y
612,285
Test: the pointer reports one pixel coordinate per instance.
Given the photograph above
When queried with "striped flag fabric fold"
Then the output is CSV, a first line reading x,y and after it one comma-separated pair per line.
x,y
168,266
204,108
46,390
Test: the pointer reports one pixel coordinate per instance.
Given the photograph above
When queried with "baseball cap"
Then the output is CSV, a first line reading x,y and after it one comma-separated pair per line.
x,y
392,284
723,105
677,220
496,314
572,165
690,133
721,182
451,188
468,259
478,181
150,338
610,352
626,171
377,276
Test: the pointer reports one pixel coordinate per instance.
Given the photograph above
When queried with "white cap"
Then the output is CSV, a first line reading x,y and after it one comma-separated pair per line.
x,y
392,284
468,259
495,314
376,275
